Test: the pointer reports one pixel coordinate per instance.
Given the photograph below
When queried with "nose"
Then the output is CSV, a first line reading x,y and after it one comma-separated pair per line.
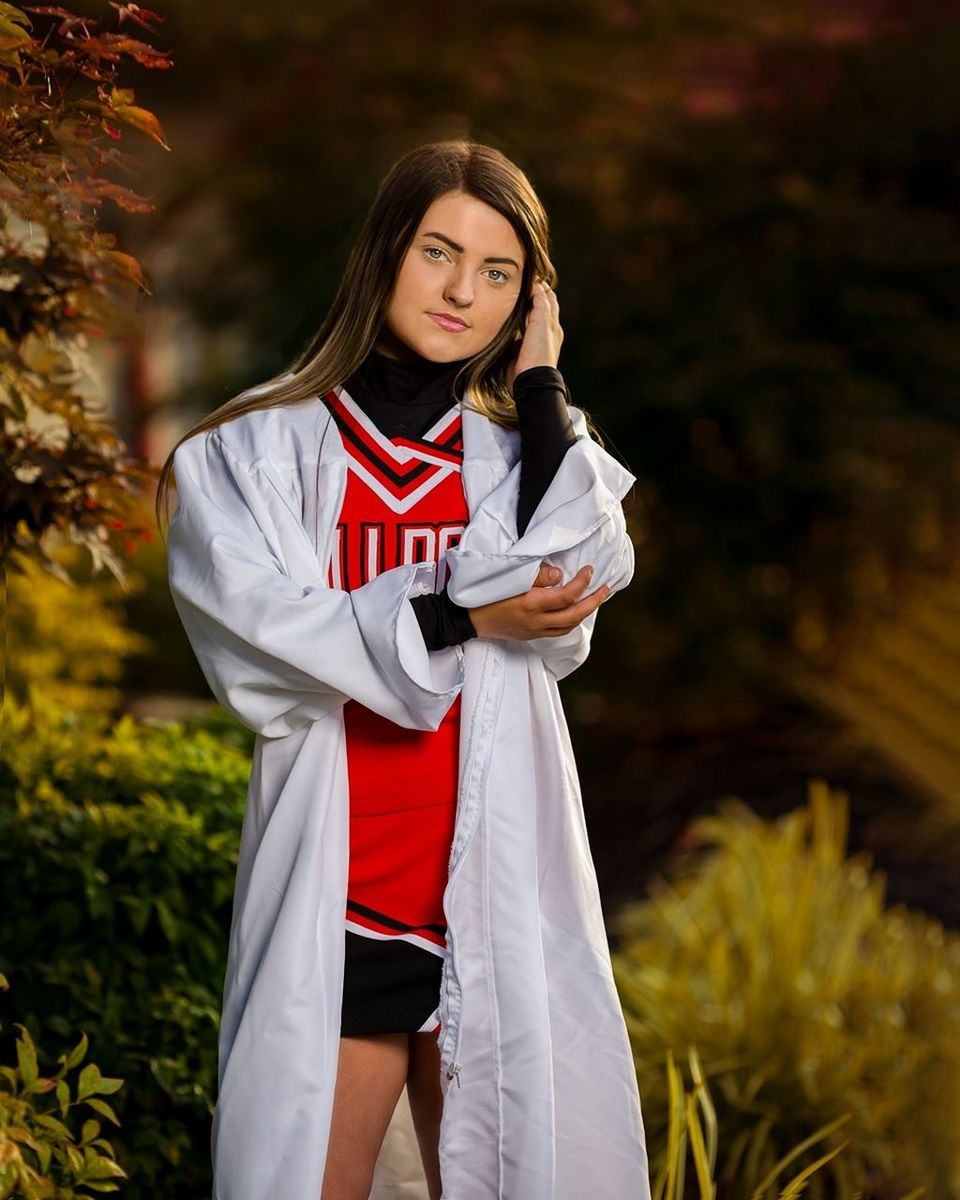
x,y
459,290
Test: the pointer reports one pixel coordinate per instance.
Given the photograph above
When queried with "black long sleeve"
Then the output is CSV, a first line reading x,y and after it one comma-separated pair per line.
x,y
546,433
442,622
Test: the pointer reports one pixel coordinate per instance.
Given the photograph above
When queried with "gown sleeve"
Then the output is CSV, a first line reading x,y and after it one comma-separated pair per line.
x,y
579,520
278,647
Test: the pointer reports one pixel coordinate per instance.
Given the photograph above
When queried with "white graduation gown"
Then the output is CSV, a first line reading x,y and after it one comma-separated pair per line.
x,y
540,1091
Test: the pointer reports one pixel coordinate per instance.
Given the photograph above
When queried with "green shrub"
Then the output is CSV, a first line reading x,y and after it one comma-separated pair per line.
x,y
808,1002
71,641
117,862
40,1155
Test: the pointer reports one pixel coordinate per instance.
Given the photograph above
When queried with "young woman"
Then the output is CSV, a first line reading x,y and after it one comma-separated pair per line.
x,y
382,560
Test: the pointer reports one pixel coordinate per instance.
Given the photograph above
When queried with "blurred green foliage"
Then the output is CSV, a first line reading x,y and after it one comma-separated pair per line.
x,y
807,1001
117,863
70,642
86,642
41,1155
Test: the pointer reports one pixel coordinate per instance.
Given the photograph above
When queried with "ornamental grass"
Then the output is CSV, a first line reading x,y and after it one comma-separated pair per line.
x,y
811,1006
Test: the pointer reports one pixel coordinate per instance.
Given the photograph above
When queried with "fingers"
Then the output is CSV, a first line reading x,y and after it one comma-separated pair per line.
x,y
547,575
562,597
563,608
542,290
543,610
563,620
549,294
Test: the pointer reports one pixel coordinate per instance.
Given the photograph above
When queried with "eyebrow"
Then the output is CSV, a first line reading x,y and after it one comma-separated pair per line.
x,y
459,249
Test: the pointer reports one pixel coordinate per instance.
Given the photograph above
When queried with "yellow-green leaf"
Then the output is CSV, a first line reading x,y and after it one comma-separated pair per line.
x,y
78,1053
142,119
107,1086
51,1123
105,1168
128,266
26,1056
103,1108
89,1081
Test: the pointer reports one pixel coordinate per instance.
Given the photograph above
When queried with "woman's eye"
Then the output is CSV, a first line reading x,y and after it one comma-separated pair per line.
x,y
503,276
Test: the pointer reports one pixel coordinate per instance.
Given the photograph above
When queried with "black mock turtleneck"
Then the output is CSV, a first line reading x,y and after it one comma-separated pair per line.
x,y
403,396
407,396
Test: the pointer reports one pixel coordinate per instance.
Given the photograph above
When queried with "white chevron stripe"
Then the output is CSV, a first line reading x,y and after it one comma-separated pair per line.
x,y
415,939
400,454
429,456
398,504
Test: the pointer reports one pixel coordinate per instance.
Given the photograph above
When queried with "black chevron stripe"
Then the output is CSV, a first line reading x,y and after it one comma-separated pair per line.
x,y
400,478
353,906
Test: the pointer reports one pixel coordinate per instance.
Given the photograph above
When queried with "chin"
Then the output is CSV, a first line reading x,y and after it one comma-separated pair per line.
x,y
446,349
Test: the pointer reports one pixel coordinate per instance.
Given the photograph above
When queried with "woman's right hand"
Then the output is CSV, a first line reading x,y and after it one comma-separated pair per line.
x,y
543,611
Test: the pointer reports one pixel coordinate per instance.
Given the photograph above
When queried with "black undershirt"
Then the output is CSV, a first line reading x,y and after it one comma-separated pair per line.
x,y
407,396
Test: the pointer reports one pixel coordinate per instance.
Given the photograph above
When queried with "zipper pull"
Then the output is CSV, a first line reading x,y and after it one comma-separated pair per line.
x,y
455,1071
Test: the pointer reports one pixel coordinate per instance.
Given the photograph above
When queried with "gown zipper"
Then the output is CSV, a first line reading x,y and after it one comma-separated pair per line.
x,y
491,669
447,957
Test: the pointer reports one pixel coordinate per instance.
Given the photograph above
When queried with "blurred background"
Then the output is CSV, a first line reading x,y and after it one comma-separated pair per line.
x,y
755,222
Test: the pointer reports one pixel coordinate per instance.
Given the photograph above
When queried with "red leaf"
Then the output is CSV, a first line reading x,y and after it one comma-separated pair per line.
x,y
133,12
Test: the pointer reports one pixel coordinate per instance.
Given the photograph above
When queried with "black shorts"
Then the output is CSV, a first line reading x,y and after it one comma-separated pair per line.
x,y
389,986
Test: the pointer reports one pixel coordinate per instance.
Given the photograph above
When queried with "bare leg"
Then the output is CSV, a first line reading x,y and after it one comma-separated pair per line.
x,y
426,1103
371,1073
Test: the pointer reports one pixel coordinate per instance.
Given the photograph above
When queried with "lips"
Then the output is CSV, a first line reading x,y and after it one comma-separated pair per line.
x,y
450,324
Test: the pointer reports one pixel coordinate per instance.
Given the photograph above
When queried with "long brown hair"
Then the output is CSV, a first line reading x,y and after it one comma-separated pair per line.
x,y
351,327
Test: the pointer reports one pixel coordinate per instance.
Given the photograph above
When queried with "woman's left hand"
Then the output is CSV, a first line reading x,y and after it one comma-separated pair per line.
x,y
542,335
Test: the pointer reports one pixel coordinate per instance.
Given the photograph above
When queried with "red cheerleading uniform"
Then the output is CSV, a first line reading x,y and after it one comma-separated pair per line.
x,y
403,503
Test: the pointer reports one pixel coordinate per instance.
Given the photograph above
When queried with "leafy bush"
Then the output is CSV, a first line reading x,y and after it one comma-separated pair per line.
x,y
808,1002
117,861
40,1155
71,642
64,475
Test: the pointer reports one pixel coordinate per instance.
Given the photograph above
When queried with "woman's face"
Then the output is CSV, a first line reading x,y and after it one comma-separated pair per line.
x,y
465,262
